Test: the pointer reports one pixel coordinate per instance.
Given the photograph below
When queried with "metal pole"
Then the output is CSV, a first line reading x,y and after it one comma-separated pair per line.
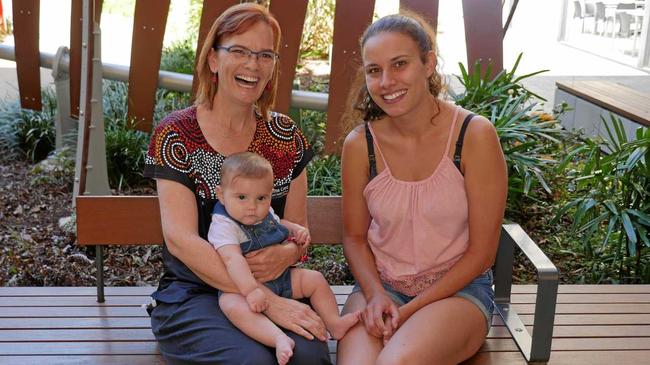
x,y
64,124
170,80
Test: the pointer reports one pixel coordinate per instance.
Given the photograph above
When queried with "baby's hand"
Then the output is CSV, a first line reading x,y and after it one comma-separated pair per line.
x,y
257,300
301,235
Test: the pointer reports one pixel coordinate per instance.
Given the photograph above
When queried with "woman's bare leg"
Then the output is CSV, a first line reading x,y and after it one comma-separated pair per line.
x,y
357,347
445,332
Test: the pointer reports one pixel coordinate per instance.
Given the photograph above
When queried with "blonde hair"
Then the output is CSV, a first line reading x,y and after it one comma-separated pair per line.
x,y
247,165
361,107
236,20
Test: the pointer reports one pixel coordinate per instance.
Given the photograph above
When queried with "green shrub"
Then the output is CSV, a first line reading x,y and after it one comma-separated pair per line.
x,y
9,118
125,147
313,123
324,174
179,56
611,210
525,136
28,133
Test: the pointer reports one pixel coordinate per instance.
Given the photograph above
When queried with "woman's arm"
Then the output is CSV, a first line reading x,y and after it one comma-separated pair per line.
x,y
486,183
179,218
356,220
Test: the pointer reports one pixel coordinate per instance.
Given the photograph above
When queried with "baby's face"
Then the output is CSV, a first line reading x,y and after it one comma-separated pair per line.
x,y
248,200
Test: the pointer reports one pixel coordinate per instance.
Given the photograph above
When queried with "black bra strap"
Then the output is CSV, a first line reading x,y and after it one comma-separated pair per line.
x,y
372,162
459,141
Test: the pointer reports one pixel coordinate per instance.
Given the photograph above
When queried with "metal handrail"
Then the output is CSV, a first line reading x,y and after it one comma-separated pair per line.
x,y
169,80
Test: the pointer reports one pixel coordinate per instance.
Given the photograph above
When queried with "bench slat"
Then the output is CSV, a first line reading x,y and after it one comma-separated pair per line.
x,y
80,348
79,335
8,324
576,344
145,334
84,359
49,291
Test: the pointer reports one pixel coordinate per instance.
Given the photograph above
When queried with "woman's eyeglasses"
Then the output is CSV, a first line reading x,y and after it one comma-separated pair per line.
x,y
243,53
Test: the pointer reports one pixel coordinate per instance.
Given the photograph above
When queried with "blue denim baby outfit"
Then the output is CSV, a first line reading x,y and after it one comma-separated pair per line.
x,y
266,233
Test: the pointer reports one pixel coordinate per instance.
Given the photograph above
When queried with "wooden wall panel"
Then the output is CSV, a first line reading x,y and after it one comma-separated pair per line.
x,y
26,15
427,8
483,33
351,18
211,11
148,33
291,16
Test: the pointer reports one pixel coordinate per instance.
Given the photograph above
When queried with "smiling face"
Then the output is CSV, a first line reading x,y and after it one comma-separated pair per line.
x,y
396,76
242,78
247,200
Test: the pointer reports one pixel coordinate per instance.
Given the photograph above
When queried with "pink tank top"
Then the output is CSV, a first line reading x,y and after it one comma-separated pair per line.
x,y
418,229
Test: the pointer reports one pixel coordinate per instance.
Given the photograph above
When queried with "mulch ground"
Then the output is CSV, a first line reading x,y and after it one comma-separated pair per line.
x,y
36,250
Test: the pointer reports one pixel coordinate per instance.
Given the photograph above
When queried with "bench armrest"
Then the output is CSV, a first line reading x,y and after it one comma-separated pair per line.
x,y
535,347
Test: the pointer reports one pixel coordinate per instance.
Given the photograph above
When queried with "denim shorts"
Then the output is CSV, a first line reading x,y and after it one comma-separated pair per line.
x,y
479,292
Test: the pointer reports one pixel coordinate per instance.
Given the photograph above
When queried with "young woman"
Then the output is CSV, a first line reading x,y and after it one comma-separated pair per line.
x,y
237,71
424,191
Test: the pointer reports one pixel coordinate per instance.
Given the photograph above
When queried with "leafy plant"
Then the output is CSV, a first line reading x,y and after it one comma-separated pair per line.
x,y
613,189
28,133
324,175
179,56
125,152
524,134
125,147
485,92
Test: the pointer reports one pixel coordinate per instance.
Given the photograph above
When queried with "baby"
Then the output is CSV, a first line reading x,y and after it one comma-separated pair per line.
x,y
243,221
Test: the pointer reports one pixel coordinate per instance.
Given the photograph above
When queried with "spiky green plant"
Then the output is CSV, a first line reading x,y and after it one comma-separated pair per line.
x,y
613,191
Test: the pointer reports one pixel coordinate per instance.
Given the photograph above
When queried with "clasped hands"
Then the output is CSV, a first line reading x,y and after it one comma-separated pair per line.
x,y
382,317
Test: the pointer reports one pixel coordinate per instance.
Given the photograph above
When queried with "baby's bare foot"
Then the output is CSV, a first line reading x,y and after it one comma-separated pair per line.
x,y
283,349
343,324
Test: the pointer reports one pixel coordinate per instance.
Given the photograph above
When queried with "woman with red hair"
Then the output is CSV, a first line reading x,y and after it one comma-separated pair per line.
x,y
238,71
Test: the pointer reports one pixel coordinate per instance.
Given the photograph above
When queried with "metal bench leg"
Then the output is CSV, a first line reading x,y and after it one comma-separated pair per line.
x,y
99,261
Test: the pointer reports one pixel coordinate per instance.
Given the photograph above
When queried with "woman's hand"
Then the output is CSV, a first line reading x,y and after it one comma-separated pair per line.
x,y
296,317
405,312
381,316
269,263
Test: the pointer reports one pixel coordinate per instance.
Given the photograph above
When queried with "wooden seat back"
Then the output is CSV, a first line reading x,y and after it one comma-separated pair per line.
x,y
135,220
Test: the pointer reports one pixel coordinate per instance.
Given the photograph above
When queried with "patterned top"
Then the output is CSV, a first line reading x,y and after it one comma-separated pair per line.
x,y
178,151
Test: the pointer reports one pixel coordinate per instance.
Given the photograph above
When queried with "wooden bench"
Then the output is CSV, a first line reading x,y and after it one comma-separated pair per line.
x,y
595,98
592,324
131,220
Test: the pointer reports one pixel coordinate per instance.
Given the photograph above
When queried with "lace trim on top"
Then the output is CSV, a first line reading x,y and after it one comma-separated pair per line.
x,y
413,285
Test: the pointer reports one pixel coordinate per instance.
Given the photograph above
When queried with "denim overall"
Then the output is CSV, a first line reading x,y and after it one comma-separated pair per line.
x,y
266,233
